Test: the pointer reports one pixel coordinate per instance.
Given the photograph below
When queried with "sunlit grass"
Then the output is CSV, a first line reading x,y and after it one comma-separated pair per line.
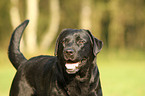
x,y
7,72
122,72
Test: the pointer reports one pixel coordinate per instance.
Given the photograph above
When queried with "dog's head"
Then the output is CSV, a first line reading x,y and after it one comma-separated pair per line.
x,y
75,46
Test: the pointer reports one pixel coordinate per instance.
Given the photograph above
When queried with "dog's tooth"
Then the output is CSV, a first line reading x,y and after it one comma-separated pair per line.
x,y
71,65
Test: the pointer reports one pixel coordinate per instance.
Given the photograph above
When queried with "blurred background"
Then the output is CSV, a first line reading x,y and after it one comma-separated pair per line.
x,y
120,24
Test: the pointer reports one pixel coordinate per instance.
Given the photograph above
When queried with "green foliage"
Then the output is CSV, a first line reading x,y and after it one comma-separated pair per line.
x,y
70,12
119,23
5,27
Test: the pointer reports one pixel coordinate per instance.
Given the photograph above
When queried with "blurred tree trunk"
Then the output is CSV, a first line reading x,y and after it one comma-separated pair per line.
x,y
54,25
97,16
15,17
14,14
105,22
85,16
31,34
116,28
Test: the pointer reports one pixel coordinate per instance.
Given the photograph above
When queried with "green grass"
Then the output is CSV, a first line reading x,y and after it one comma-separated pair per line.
x,y
122,73
7,72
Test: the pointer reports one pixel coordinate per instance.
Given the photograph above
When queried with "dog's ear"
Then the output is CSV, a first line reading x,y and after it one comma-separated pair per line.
x,y
58,40
57,44
56,47
96,43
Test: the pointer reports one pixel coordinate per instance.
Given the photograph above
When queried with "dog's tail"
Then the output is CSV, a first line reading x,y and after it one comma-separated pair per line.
x,y
14,54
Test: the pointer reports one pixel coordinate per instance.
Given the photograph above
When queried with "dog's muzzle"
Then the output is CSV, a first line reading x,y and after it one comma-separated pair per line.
x,y
68,53
72,67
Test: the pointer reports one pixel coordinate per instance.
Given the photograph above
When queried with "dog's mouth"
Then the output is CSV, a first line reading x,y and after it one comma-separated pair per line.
x,y
73,67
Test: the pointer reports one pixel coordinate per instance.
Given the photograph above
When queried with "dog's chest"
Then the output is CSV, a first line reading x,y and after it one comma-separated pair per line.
x,y
76,88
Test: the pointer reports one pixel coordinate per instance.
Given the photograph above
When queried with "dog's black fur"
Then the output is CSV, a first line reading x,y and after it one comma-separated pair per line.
x,y
50,75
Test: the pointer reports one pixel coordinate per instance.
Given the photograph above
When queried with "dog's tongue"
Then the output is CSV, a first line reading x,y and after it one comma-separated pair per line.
x,y
71,66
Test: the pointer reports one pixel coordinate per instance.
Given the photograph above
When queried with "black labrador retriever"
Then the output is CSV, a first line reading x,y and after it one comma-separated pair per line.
x,y
71,72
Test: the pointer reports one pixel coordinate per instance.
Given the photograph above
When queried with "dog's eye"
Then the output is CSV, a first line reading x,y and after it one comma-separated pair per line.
x,y
80,42
65,42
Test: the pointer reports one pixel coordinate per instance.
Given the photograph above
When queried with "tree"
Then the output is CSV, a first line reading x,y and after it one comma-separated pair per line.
x,y
51,32
15,17
31,34
85,14
14,14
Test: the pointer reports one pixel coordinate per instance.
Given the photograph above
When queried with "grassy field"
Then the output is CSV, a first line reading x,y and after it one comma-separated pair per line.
x,y
122,73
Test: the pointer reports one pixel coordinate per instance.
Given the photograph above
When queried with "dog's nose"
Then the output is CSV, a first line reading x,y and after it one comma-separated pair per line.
x,y
69,52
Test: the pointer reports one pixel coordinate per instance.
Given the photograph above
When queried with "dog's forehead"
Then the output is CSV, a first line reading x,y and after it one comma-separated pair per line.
x,y
75,34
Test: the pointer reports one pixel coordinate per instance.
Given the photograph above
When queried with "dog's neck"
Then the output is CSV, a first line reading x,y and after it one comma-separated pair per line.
x,y
84,74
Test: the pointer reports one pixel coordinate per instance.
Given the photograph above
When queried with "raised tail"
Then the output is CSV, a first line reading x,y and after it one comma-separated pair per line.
x,y
14,54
